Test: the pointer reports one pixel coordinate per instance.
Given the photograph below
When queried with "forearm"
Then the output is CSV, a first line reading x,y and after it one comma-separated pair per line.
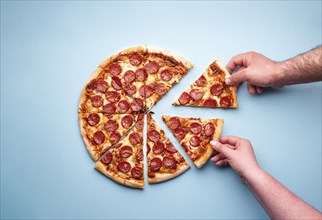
x,y
303,68
277,200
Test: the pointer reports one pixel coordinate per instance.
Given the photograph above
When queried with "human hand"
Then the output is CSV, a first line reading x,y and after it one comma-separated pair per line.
x,y
256,69
236,152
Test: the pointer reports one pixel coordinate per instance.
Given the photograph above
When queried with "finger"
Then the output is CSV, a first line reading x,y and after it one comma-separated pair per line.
x,y
259,89
238,60
218,157
239,69
222,148
231,140
251,89
222,163
237,77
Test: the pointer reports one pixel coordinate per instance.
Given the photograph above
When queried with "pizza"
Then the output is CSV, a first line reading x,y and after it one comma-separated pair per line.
x,y
100,132
210,90
123,163
163,160
113,102
194,135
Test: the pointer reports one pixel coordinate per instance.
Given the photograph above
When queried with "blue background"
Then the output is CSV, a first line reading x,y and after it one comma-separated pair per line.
x,y
49,49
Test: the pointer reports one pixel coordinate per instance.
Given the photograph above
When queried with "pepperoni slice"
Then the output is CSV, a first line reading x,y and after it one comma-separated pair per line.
x,y
184,98
115,69
97,101
135,138
212,103
161,89
169,162
101,85
171,148
115,137
130,89
129,76
196,94
124,166
135,107
111,125
201,82
225,102
112,96
123,106
137,104
99,137
179,133
195,141
209,129
173,123
154,136
195,128
126,151
136,59
109,108
107,159
140,74
139,155
216,89
116,83
93,119
148,149
127,121
137,172
146,91
117,145
140,125
91,86
158,148
155,164
152,67
166,75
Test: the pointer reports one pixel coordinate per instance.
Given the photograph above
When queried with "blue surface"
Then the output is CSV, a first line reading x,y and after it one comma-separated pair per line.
x,y
49,49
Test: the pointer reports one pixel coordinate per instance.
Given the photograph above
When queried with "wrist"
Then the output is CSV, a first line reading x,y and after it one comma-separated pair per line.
x,y
252,175
280,74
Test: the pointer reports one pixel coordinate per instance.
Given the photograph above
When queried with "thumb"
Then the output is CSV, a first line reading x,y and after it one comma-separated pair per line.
x,y
236,78
222,148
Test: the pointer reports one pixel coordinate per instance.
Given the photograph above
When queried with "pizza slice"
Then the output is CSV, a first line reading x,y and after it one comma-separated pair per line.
x,y
163,70
104,94
100,132
194,135
127,68
163,159
210,90
123,163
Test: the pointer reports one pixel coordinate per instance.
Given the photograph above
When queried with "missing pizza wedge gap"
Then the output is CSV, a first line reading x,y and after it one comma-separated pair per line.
x,y
112,107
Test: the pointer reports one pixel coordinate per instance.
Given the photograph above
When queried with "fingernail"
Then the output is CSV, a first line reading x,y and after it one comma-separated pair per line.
x,y
213,143
228,81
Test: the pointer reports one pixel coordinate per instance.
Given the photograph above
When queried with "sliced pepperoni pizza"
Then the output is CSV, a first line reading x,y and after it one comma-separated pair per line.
x,y
100,132
123,163
210,90
164,70
194,135
103,93
164,161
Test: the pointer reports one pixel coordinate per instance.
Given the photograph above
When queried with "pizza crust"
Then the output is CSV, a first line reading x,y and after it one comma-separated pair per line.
x,y
88,144
83,96
110,59
187,64
131,182
218,130
233,89
161,177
